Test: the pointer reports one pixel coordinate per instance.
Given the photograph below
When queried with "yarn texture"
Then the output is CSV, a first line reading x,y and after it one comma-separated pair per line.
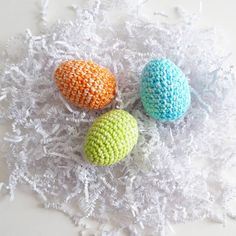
x,y
177,172
111,138
85,84
165,92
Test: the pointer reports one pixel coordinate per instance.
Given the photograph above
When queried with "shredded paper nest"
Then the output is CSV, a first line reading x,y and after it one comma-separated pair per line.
x,y
176,173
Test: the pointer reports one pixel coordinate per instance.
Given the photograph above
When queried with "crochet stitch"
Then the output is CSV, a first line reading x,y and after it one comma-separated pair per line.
x,y
111,138
85,84
177,173
164,90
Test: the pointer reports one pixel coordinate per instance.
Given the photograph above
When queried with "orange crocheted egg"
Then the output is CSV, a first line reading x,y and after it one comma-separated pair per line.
x,y
85,84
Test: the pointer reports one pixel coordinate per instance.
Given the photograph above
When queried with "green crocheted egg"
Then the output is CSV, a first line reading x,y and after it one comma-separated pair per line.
x,y
111,138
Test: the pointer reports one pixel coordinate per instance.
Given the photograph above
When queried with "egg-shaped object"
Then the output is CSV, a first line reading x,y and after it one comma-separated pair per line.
x,y
85,84
164,90
111,138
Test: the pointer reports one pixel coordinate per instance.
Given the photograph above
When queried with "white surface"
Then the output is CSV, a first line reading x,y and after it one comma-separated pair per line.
x,y
24,216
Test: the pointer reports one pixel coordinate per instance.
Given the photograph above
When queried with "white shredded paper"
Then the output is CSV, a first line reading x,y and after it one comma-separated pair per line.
x,y
177,172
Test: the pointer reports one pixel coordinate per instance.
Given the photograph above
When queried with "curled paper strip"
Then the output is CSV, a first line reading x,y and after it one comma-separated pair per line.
x,y
174,169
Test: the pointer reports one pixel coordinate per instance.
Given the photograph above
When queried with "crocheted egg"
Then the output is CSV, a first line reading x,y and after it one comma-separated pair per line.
x,y
164,90
111,138
85,84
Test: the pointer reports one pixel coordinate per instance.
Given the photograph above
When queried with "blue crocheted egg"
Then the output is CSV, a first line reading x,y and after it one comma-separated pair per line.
x,y
164,90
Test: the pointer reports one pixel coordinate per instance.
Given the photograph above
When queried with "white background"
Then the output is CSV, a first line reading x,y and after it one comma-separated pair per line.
x,y
24,216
